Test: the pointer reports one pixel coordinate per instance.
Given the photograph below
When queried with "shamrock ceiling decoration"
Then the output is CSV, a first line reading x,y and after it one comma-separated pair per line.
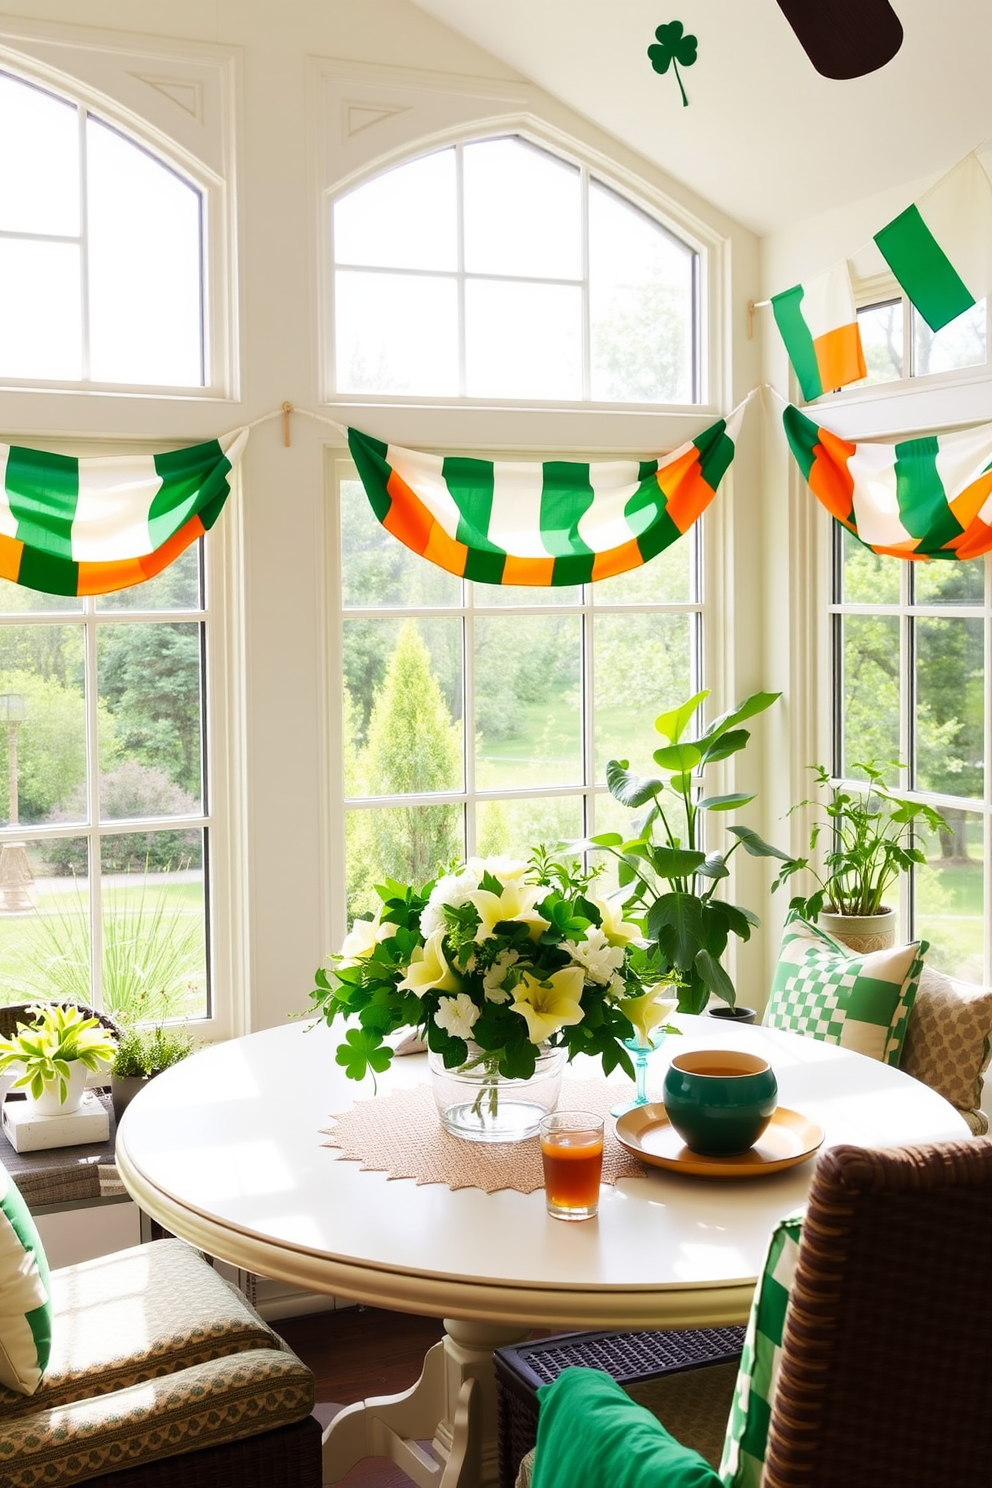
x,y
673,47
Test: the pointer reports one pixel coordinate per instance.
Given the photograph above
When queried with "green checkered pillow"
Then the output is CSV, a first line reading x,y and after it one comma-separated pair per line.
x,y
25,1306
860,1000
743,1462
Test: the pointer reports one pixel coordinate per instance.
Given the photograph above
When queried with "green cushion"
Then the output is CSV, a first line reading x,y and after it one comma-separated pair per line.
x,y
860,1000
25,1303
743,1461
590,1432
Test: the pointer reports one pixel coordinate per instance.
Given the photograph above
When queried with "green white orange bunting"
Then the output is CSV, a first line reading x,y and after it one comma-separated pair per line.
x,y
916,498
940,248
90,526
819,325
554,522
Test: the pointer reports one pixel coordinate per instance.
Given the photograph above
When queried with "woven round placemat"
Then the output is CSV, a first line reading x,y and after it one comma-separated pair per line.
x,y
401,1135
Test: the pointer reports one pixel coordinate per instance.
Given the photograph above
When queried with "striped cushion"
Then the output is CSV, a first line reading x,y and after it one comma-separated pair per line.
x,y
824,990
743,1461
25,1304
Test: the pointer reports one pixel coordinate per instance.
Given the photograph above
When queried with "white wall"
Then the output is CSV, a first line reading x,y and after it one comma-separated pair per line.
x,y
271,59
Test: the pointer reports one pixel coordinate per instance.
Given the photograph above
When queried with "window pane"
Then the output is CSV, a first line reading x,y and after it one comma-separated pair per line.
x,y
45,755
40,310
523,340
870,696
404,686
949,583
45,924
16,599
629,698
950,693
950,907
667,579
962,343
154,926
515,827
177,587
395,333
144,266
882,339
151,719
513,596
403,219
407,843
39,179
522,211
641,305
867,578
377,570
527,714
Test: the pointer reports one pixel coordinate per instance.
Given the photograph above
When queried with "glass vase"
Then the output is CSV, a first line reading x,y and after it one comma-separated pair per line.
x,y
480,1105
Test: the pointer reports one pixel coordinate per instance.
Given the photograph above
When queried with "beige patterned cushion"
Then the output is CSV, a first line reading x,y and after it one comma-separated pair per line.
x,y
204,1405
134,1315
949,1042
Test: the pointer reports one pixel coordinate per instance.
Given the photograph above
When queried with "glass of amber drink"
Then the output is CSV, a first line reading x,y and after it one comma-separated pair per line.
x,y
572,1150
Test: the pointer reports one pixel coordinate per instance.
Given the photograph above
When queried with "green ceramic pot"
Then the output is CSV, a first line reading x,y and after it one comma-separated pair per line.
x,y
720,1100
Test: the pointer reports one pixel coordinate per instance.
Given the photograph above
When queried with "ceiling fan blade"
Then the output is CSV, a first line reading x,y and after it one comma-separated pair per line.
x,y
845,38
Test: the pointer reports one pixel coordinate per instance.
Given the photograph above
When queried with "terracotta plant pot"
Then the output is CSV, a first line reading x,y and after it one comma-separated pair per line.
x,y
861,932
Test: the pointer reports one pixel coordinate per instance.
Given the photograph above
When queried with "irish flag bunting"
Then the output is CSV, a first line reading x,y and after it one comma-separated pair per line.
x,y
70,526
917,498
940,249
819,326
538,524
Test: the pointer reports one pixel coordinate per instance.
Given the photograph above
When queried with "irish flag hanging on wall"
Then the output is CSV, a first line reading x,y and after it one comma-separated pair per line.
x,y
70,526
553,522
916,498
819,324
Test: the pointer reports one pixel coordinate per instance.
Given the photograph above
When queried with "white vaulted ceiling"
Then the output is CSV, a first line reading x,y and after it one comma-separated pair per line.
x,y
764,137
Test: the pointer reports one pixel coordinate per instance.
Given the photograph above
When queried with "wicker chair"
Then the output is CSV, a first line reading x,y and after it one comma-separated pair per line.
x,y
886,1367
19,1012
161,1376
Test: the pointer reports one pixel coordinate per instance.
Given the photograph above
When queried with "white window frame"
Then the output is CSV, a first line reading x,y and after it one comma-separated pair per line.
x,y
216,190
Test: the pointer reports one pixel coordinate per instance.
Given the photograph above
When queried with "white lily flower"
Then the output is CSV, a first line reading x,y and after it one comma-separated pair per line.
x,y
549,1005
599,958
457,1015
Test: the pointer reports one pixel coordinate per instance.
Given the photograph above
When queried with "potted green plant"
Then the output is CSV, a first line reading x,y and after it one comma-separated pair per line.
x,y
53,1054
143,1053
670,871
870,843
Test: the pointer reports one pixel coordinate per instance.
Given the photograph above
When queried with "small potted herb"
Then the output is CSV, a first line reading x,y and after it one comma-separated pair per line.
x,y
54,1053
143,1053
870,842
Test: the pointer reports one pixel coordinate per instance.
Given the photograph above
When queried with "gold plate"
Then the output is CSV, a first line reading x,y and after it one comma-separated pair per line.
x,y
788,1139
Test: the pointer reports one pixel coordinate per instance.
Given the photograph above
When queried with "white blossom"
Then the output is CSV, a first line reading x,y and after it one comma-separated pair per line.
x,y
492,980
457,1015
595,953
451,890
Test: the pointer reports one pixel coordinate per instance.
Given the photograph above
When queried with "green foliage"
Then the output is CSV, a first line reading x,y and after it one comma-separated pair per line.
x,y
143,1052
51,743
56,1038
153,952
129,790
665,867
150,681
489,962
871,843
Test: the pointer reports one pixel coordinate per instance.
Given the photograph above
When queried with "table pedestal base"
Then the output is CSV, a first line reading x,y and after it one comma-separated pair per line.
x,y
452,1406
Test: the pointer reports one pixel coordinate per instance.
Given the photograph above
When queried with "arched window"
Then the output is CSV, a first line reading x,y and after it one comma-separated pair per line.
x,y
498,270
101,276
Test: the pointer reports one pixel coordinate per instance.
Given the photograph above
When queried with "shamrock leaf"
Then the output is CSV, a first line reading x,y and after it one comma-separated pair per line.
x,y
362,1050
673,47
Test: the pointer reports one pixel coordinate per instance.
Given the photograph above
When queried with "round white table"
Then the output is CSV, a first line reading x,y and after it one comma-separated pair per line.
x,y
225,1150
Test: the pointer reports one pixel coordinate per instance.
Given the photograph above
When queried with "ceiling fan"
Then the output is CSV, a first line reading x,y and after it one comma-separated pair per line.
x,y
845,38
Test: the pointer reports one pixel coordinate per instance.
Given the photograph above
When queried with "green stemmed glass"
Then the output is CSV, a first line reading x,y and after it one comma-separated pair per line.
x,y
642,1049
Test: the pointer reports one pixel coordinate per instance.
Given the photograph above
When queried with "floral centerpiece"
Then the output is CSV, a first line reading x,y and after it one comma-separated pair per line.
x,y
492,964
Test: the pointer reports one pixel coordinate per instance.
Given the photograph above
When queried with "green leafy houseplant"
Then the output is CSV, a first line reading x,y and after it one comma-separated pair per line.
x,y
670,874
871,837
144,1052
45,1049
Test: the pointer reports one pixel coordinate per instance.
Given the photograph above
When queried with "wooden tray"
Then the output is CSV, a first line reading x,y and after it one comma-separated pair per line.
x,y
788,1139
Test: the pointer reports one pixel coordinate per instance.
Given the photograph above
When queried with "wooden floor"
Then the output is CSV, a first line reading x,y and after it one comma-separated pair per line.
x,y
356,1352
